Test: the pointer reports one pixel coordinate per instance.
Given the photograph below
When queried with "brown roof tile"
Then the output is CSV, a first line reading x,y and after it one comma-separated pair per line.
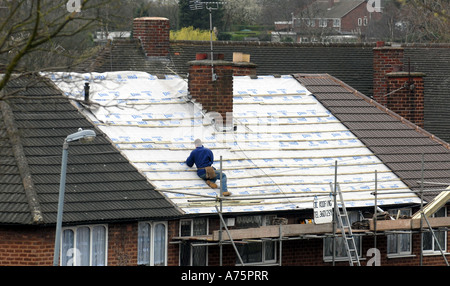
x,y
397,142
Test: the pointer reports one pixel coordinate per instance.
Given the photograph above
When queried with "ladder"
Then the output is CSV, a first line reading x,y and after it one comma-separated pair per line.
x,y
346,231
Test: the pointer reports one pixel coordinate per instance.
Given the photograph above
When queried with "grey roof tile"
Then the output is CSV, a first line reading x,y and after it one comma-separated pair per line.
x,y
101,184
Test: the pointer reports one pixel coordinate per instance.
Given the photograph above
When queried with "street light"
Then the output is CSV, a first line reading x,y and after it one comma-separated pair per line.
x,y
82,136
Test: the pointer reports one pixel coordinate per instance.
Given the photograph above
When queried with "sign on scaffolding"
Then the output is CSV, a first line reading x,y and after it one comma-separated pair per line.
x,y
323,210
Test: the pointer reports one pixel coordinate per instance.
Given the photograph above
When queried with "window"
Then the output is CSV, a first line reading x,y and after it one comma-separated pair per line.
x,y
360,21
365,21
336,23
399,243
84,246
263,252
429,243
190,254
323,23
340,251
310,22
152,243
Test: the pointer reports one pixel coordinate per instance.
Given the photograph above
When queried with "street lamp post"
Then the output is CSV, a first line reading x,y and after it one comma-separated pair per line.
x,y
82,136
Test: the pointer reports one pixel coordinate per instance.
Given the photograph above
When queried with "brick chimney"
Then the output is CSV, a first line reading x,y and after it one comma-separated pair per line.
x,y
405,95
211,83
395,86
386,59
154,34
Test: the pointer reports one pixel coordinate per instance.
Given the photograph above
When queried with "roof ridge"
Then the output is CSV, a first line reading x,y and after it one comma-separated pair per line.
x,y
24,170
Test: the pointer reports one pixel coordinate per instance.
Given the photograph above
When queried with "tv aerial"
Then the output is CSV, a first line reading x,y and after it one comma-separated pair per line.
x,y
210,6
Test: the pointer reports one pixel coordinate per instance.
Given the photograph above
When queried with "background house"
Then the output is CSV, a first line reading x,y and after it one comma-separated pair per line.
x,y
328,21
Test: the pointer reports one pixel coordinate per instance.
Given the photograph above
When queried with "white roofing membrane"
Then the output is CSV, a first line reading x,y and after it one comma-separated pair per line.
x,y
280,156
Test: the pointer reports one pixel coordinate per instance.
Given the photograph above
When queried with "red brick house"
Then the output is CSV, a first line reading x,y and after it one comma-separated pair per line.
x,y
329,21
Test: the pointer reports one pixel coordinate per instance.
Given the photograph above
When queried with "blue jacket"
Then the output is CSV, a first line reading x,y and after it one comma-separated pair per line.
x,y
202,157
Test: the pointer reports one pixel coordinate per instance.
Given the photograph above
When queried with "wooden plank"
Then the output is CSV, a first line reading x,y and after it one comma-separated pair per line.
x,y
432,207
409,224
273,231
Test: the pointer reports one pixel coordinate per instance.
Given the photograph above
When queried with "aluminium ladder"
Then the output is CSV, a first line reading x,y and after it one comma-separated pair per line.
x,y
348,238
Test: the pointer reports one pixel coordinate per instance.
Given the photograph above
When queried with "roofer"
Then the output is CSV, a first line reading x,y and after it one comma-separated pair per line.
x,y
203,158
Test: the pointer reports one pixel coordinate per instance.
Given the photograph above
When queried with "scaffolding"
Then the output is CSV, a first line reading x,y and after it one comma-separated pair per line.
x,y
287,232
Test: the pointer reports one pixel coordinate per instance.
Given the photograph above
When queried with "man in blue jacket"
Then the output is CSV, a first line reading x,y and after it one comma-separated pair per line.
x,y
203,158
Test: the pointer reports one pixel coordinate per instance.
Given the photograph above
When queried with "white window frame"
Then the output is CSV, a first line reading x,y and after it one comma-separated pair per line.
x,y
337,23
191,246
149,259
323,23
360,22
327,242
74,253
435,249
310,22
396,238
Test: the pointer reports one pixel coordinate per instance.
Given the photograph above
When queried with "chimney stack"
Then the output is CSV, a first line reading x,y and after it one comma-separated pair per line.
x,y
406,95
211,82
386,59
154,34
395,86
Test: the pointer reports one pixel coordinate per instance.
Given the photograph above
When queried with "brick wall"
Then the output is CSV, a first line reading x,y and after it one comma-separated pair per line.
x,y
26,246
214,95
154,34
349,22
406,96
173,251
244,69
34,245
399,90
385,60
122,244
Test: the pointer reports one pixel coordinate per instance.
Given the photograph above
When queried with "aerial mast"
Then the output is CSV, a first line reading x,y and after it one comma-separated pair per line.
x,y
210,6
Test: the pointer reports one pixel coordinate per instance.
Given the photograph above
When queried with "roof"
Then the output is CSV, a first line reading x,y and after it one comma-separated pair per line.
x,y
281,155
124,54
101,184
338,9
401,145
350,63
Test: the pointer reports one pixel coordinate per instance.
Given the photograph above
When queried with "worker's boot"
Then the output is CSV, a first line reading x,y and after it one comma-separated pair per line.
x,y
211,184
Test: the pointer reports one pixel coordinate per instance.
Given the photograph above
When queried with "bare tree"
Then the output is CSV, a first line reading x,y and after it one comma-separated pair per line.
x,y
426,20
34,34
